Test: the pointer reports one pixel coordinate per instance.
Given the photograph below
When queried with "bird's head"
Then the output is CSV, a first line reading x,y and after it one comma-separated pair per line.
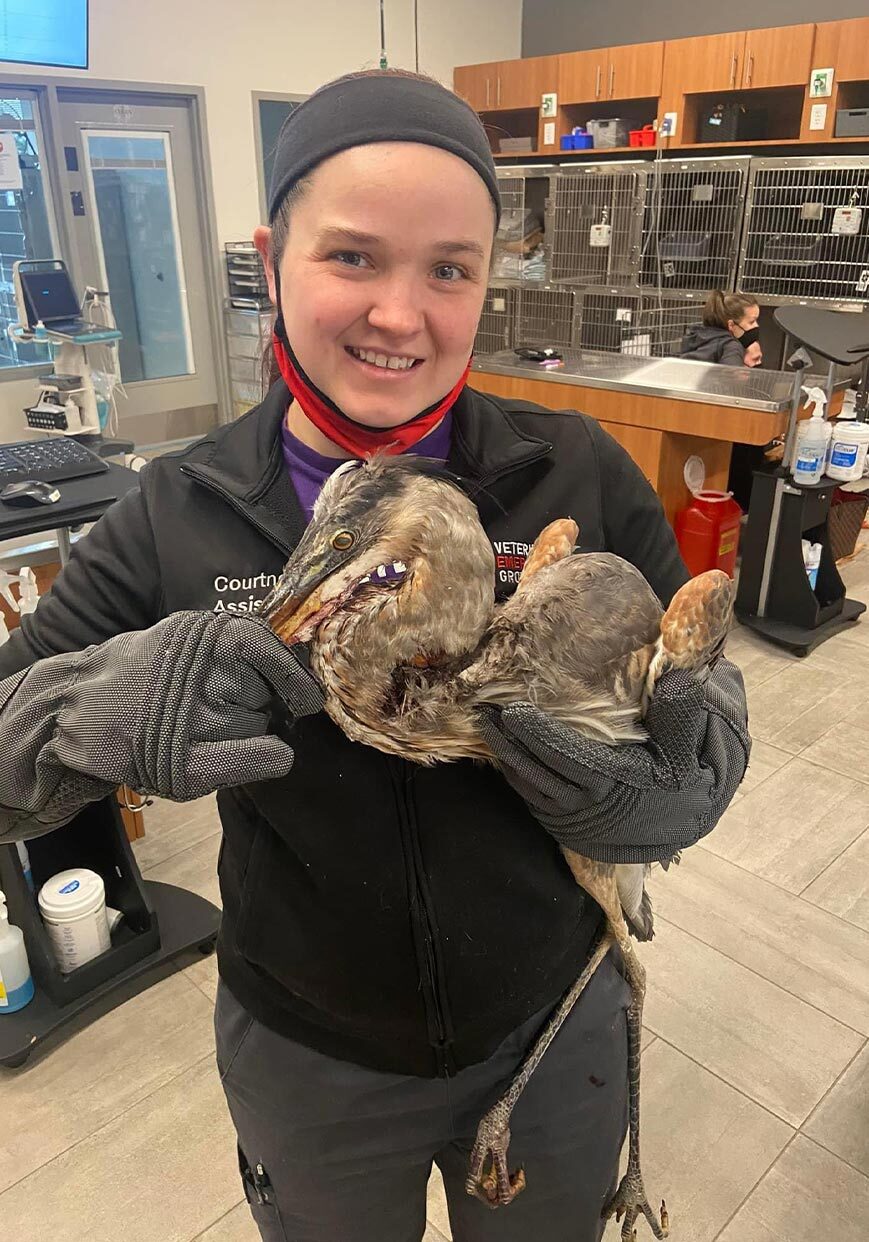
x,y
397,546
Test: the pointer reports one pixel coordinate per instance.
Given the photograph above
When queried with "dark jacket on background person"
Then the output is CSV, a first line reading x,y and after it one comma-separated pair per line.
x,y
399,917
702,343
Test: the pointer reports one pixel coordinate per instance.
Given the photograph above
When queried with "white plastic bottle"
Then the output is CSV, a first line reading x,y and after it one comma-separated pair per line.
x,y
16,985
25,864
849,445
28,591
813,438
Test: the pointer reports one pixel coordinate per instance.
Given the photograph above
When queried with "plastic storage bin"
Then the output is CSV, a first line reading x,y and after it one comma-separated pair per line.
x,y
611,132
644,137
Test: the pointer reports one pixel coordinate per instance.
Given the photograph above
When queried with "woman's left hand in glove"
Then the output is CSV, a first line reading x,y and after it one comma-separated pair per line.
x,y
637,802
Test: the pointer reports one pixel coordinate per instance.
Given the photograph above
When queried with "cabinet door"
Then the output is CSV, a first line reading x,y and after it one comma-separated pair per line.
x,y
852,62
706,63
780,56
477,84
582,76
635,71
520,83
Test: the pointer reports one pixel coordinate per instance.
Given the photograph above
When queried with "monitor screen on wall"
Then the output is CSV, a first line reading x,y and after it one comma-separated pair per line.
x,y
45,32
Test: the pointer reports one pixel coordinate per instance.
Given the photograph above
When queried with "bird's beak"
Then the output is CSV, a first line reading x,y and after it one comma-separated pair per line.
x,y
309,587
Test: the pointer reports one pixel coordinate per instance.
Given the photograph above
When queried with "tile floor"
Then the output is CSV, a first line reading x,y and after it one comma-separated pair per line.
x,y
756,1113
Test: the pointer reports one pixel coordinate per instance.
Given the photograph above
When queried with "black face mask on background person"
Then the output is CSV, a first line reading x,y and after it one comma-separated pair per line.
x,y
749,337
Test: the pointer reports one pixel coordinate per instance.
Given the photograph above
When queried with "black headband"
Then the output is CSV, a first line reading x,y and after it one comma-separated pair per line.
x,y
355,111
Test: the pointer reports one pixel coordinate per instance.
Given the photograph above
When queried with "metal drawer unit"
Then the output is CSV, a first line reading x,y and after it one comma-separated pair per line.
x,y
629,322
595,223
806,236
692,223
246,278
248,334
520,252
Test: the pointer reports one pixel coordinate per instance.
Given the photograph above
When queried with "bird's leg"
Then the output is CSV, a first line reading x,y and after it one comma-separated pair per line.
x,y
630,1199
489,1177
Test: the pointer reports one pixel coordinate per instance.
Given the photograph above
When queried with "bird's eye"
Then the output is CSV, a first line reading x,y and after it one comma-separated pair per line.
x,y
343,540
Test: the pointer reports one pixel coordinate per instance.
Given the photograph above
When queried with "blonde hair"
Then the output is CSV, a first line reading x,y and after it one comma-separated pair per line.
x,y
721,307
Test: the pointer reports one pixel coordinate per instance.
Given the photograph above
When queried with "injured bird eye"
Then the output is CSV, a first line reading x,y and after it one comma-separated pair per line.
x,y
343,540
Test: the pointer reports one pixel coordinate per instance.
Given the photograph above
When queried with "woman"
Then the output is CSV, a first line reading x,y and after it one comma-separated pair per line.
x,y
393,937
729,333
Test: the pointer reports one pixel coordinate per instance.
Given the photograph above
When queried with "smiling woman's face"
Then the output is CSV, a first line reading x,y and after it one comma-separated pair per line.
x,y
383,277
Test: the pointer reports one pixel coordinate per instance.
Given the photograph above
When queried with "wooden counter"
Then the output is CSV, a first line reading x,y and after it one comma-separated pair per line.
x,y
660,433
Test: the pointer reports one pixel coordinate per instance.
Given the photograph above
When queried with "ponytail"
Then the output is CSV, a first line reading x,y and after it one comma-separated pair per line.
x,y
721,307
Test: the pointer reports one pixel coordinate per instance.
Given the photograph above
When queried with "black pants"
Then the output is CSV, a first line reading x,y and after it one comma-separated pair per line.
x,y
334,1152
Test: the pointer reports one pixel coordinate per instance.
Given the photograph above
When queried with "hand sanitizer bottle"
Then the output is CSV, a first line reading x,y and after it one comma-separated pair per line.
x,y
16,985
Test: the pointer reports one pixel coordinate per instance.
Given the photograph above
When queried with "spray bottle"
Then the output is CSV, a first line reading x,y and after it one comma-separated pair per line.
x,y
16,985
812,440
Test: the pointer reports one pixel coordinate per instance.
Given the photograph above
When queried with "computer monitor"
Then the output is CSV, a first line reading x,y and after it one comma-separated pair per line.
x,y
48,295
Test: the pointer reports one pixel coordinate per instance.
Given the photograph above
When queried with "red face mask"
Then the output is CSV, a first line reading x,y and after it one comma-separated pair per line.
x,y
351,436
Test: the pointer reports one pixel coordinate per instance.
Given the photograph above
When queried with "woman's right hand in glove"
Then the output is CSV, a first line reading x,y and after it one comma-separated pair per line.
x,y
177,710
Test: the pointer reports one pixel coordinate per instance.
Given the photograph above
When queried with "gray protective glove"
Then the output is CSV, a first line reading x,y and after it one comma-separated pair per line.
x,y
632,803
177,710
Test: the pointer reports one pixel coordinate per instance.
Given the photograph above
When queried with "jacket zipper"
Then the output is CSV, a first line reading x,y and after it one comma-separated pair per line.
x,y
433,995
239,506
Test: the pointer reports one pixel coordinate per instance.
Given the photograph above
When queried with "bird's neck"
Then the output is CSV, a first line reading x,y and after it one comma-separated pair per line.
x,y
418,708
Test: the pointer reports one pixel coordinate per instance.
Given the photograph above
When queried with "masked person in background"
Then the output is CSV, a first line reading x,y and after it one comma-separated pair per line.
x,y
393,937
729,333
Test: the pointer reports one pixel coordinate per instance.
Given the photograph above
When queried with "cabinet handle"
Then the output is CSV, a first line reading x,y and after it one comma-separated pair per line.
x,y
597,84
488,88
499,90
612,79
733,63
750,69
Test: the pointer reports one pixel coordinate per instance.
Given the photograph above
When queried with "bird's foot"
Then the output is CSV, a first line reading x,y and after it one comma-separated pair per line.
x,y
630,1201
489,1177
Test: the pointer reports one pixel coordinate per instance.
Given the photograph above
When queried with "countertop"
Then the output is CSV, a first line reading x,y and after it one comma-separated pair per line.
x,y
679,379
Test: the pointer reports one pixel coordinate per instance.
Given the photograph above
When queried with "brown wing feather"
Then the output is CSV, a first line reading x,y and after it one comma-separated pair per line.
x,y
695,625
555,542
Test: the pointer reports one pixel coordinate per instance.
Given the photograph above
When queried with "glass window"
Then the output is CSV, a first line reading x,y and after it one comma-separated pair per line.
x,y
140,250
25,223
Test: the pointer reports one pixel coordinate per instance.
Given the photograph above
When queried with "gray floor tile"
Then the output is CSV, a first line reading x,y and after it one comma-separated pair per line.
x,y
174,826
803,949
236,1226
844,887
841,1121
807,1196
765,762
437,1204
844,747
101,1072
162,1172
802,702
758,660
793,825
775,1048
194,869
704,1144
204,975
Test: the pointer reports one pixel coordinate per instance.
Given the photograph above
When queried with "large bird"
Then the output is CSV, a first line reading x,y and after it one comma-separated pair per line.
x,y
393,586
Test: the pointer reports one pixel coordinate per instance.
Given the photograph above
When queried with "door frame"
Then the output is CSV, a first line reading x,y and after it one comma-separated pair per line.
x,y
256,98
46,90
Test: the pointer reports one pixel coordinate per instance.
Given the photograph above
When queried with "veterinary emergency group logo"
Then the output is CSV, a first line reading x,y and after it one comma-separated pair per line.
x,y
510,558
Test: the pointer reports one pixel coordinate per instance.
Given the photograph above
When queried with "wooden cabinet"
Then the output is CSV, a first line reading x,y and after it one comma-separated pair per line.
x,y
582,76
520,83
634,71
477,84
780,56
704,63
852,57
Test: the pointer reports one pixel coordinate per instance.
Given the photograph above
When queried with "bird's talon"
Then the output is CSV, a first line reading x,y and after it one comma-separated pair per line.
x,y
665,1219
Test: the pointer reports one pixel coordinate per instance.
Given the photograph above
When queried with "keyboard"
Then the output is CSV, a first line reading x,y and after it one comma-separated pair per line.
x,y
51,461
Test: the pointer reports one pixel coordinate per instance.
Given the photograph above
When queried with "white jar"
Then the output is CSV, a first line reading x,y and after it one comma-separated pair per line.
x,y
73,908
849,444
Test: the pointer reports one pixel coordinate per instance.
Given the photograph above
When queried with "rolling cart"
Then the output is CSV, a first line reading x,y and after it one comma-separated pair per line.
x,y
164,928
775,597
